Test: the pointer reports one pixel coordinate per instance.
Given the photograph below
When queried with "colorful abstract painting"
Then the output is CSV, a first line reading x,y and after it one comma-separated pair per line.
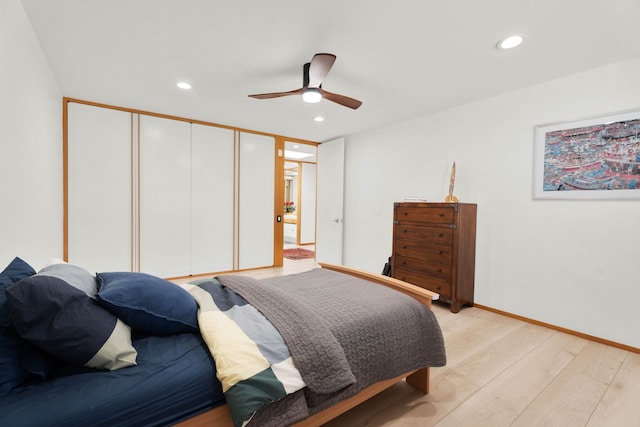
x,y
603,157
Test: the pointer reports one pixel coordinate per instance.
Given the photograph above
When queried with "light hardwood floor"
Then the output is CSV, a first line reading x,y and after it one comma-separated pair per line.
x,y
505,372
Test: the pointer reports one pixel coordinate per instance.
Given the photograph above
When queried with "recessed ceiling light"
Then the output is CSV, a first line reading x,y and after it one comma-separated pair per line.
x,y
184,85
318,119
510,42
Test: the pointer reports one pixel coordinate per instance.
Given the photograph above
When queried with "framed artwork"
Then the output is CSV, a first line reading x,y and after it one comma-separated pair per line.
x,y
593,158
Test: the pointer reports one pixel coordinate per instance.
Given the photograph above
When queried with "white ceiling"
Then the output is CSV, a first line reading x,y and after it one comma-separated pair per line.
x,y
402,58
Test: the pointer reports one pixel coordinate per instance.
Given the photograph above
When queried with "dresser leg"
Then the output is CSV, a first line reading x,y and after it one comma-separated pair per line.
x,y
455,307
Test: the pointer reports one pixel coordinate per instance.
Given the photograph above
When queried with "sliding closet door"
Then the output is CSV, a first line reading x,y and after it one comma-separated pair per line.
x,y
164,196
256,205
212,199
99,182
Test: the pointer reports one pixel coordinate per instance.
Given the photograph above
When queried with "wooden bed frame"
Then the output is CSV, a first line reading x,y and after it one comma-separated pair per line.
x,y
221,417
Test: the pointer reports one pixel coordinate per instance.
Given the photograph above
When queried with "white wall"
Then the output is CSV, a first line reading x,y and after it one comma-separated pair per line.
x,y
574,264
30,145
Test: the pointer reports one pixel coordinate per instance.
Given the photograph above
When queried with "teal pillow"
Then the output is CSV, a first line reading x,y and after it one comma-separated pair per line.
x,y
148,303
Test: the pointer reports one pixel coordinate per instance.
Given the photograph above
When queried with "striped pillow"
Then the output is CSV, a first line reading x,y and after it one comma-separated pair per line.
x,y
68,324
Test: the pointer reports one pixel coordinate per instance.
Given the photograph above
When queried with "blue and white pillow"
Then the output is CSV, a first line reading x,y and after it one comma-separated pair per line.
x,y
68,324
73,275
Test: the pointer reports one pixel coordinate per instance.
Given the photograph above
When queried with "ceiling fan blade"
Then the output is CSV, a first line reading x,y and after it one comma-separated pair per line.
x,y
320,65
341,99
277,94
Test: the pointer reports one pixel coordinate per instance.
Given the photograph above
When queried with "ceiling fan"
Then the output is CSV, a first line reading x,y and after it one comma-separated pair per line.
x,y
313,74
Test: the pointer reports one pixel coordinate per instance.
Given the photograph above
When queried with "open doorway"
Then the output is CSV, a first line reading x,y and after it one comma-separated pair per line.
x,y
299,231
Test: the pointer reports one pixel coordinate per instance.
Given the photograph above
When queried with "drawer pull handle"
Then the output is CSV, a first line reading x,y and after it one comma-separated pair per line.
x,y
406,213
440,235
439,252
404,262
404,246
405,231
441,215
439,270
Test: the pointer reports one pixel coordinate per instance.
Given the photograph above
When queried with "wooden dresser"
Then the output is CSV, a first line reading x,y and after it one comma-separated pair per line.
x,y
434,246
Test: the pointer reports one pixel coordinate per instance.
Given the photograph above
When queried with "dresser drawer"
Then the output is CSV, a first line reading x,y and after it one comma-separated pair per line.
x,y
436,215
436,268
422,251
441,287
434,247
432,235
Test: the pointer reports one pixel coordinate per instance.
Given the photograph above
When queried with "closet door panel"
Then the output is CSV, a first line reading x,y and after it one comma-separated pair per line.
x,y
212,199
256,205
164,196
99,207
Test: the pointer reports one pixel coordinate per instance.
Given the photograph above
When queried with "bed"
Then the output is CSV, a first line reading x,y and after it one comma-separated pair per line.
x,y
173,380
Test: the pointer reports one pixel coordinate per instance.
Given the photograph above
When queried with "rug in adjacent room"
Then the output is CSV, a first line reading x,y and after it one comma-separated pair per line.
x,y
298,253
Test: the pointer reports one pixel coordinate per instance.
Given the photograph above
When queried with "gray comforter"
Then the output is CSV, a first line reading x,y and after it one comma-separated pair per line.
x,y
343,333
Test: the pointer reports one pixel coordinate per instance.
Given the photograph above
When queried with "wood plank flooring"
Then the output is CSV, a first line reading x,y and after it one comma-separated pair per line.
x,y
505,372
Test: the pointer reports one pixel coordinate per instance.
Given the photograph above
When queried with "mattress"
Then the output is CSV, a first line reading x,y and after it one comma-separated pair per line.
x,y
174,379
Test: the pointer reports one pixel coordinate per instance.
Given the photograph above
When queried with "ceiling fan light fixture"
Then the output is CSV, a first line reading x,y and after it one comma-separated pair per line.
x,y
311,96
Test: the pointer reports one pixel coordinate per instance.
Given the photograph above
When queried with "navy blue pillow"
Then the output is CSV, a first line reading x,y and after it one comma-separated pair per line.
x,y
148,303
21,364
68,324
15,271
36,362
11,372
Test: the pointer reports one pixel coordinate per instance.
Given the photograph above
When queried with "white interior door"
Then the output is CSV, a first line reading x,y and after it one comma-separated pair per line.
x,y
256,186
330,202
100,188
